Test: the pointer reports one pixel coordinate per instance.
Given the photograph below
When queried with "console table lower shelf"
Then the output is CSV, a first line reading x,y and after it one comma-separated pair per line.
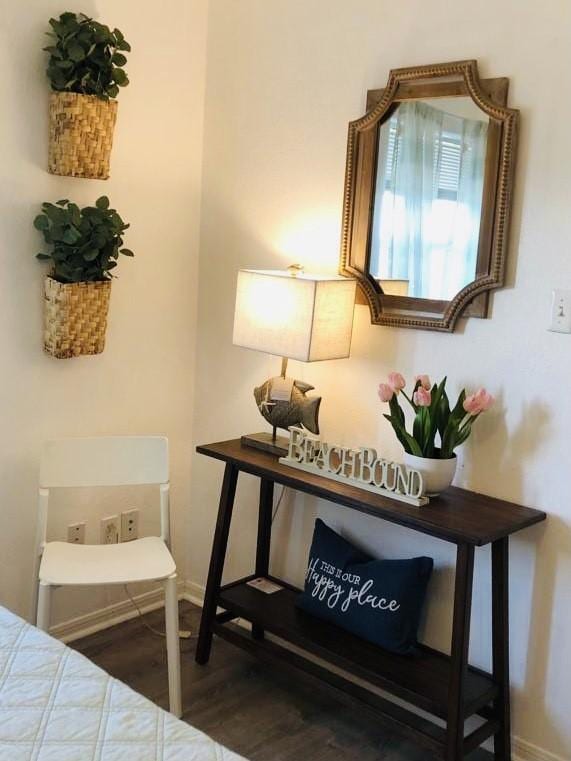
x,y
421,680
445,687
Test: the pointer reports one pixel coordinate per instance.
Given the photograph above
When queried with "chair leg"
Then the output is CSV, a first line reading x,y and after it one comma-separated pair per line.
x,y
173,648
43,611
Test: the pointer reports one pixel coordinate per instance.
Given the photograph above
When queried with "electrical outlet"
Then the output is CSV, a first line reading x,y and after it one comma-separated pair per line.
x,y
109,530
129,525
76,533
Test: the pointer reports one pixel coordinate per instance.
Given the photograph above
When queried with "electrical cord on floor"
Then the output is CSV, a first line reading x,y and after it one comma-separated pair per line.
x,y
183,633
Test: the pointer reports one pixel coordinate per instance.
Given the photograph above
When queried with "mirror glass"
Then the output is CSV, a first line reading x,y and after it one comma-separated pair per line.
x,y
428,197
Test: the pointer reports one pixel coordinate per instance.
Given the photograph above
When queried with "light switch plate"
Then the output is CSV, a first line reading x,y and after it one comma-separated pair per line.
x,y
561,312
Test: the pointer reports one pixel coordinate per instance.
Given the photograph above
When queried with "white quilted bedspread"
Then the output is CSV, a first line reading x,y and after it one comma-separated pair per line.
x,y
55,705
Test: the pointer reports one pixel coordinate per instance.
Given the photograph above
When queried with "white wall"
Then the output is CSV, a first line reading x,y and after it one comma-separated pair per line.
x,y
142,382
284,78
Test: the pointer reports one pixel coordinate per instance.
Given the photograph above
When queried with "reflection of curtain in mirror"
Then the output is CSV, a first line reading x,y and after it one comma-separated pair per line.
x,y
428,200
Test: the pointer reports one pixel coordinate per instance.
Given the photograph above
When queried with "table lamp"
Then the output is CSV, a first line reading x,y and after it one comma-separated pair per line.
x,y
295,316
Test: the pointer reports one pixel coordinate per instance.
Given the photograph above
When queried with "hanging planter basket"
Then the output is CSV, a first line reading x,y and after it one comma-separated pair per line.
x,y
80,135
75,317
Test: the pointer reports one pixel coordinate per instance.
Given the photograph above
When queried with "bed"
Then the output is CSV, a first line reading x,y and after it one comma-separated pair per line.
x,y
56,705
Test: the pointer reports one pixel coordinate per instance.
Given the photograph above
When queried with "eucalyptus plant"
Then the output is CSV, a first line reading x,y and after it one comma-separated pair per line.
x,y
86,243
86,56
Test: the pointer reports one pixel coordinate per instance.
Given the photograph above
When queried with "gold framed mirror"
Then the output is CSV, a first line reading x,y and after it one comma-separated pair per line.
x,y
428,188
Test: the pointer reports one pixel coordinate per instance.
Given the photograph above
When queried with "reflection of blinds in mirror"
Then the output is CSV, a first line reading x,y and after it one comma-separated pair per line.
x,y
447,157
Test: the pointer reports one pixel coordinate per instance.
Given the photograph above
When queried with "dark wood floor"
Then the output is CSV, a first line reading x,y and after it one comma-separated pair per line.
x,y
263,715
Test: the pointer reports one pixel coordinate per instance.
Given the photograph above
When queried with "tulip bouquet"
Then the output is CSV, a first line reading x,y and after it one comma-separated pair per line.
x,y
432,415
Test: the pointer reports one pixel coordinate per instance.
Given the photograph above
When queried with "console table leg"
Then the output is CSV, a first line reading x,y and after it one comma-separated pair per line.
x,y
264,537
500,646
459,653
216,563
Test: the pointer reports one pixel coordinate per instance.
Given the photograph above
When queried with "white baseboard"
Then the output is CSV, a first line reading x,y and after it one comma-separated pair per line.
x,y
117,613
193,592
526,751
114,614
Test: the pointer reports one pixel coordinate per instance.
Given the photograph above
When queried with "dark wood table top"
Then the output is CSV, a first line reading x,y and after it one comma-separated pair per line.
x,y
457,515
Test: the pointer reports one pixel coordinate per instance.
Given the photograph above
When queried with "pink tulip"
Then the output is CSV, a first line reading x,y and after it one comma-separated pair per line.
x,y
422,397
424,381
396,382
385,392
471,405
478,402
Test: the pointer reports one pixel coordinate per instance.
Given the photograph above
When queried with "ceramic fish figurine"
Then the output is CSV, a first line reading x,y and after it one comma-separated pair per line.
x,y
299,410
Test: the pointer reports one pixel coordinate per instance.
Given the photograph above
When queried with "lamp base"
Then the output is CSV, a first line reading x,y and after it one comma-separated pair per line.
x,y
278,445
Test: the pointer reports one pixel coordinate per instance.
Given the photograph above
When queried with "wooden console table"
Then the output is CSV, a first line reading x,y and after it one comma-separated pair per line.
x,y
445,686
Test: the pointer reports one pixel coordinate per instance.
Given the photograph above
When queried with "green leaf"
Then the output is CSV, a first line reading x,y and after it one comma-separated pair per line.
x,y
433,415
443,413
408,441
71,235
398,431
102,203
417,426
127,252
41,222
54,50
58,28
120,77
91,254
119,59
55,215
43,256
463,434
124,45
396,410
458,412
75,214
75,51
68,17
427,433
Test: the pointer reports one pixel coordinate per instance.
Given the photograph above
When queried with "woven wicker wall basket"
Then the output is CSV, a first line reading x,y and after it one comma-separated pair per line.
x,y
75,317
80,135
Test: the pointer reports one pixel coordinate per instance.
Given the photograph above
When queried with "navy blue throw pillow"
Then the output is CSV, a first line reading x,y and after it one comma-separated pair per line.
x,y
378,600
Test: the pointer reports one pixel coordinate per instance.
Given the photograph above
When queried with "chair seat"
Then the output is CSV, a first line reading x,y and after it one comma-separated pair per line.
x,y
145,559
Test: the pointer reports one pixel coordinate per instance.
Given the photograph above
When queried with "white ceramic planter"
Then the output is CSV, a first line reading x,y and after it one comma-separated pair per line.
x,y
437,474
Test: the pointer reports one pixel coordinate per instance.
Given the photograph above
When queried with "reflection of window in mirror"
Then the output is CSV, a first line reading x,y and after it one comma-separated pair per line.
x,y
428,197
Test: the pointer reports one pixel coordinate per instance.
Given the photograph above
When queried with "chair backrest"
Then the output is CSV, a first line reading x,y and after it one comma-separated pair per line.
x,y
104,461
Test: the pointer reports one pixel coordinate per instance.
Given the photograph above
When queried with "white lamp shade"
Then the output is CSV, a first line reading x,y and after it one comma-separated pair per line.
x,y
306,317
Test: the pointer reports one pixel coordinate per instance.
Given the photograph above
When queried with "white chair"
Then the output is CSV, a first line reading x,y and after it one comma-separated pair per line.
x,y
109,461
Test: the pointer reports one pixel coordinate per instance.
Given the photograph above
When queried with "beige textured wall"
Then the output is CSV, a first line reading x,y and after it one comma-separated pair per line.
x,y
142,382
284,78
